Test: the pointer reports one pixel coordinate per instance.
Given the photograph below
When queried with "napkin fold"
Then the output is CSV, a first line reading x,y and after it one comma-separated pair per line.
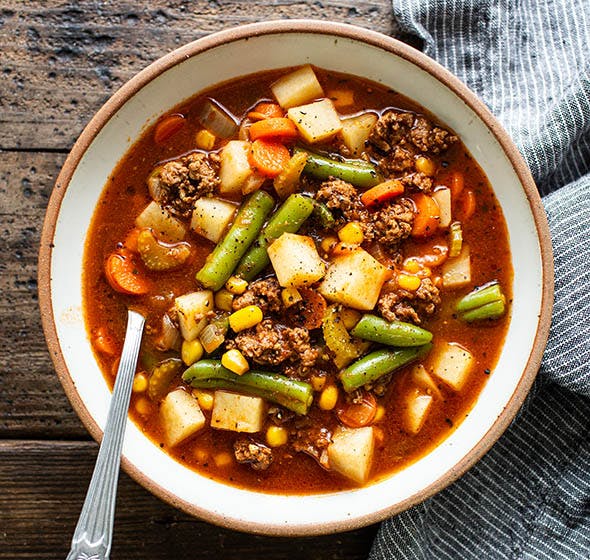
x,y
529,497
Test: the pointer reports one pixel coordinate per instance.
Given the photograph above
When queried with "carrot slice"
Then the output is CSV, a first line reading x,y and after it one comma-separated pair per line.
x,y
468,204
360,413
265,110
382,192
123,274
456,184
268,158
168,127
426,217
313,308
274,128
104,341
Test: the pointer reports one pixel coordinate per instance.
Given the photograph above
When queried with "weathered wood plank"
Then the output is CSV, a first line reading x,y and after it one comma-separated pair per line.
x,y
32,401
62,60
42,487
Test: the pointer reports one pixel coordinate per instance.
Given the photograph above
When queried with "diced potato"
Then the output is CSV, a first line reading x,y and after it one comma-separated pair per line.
x,y
192,309
442,196
211,217
297,87
355,131
316,121
295,260
453,364
424,380
165,226
181,416
354,279
417,408
351,452
235,167
238,413
456,271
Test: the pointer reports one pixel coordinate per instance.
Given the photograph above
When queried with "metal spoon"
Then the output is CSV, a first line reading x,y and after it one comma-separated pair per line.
x,y
94,532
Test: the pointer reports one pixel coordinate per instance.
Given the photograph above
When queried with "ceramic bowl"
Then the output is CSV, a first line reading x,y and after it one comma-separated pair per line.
x,y
230,54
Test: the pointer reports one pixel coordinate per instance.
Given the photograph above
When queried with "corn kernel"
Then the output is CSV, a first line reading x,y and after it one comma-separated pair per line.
x,y
290,296
379,413
236,285
191,351
351,233
425,165
342,248
224,300
318,382
328,398
328,243
412,266
204,398
205,140
350,317
276,436
140,383
407,282
245,318
143,406
234,361
223,459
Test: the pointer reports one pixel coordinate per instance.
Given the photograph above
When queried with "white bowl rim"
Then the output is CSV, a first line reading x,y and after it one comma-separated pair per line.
x,y
399,49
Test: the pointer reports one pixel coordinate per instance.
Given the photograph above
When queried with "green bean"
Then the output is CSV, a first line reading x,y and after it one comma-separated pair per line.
x,y
225,257
323,214
290,393
377,364
493,310
395,333
356,172
487,302
288,218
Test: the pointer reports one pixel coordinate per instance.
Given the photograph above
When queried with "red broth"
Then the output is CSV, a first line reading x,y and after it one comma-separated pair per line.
x,y
211,451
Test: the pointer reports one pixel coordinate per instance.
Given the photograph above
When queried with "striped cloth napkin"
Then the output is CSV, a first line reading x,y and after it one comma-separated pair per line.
x,y
529,497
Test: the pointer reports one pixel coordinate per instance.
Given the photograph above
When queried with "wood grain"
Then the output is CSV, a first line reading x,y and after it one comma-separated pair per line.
x,y
62,60
44,484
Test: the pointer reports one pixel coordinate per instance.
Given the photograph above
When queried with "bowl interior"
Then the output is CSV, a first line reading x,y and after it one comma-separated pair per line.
x,y
220,58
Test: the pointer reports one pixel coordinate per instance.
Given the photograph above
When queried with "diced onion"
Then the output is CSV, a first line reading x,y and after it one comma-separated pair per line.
x,y
217,120
169,337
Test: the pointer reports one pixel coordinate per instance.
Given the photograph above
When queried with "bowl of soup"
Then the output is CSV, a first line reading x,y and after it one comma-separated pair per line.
x,y
344,266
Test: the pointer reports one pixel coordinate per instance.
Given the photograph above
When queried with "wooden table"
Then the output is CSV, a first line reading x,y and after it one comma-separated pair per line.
x,y
60,61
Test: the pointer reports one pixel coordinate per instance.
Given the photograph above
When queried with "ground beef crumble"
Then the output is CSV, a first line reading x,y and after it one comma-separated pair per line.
x,y
258,456
313,441
183,181
392,223
413,307
265,293
270,343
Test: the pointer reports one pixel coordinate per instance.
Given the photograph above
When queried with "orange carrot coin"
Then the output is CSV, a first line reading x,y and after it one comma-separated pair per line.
x,y
268,158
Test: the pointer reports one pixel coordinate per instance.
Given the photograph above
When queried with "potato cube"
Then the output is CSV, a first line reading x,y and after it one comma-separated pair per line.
x,y
296,260
316,121
351,452
453,364
442,195
181,416
417,407
355,280
456,271
192,309
165,225
211,217
355,132
297,87
238,413
235,167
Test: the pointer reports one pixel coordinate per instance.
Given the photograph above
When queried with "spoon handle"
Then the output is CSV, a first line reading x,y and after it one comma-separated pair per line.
x,y
94,532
